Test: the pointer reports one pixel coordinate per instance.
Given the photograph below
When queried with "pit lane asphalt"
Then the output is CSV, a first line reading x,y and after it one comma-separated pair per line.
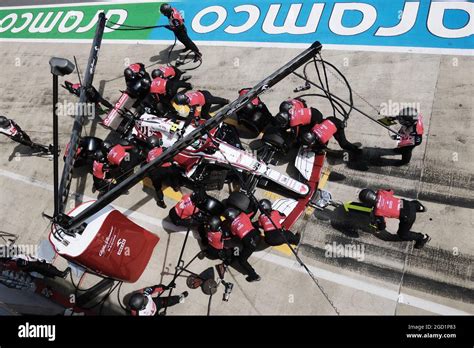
x,y
428,79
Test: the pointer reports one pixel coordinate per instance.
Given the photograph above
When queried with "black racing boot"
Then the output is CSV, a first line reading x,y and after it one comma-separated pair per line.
x,y
421,243
65,272
297,238
253,278
161,203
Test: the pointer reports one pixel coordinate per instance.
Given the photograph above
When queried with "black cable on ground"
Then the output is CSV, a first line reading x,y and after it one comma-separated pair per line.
x,y
209,305
119,299
132,27
345,114
136,27
345,102
319,96
183,247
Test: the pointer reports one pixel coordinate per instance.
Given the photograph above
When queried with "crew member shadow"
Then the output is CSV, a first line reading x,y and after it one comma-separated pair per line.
x,y
21,150
370,157
166,55
353,223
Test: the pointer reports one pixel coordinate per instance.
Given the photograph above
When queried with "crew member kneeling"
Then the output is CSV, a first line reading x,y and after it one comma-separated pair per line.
x,y
270,221
185,212
215,240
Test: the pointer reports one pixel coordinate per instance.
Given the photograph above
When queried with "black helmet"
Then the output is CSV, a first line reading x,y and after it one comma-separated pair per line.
x,y
231,213
286,106
282,119
144,84
211,205
106,146
308,138
199,197
99,155
408,116
154,141
266,205
368,196
139,87
4,122
166,9
91,144
129,74
157,73
137,301
181,99
21,263
214,223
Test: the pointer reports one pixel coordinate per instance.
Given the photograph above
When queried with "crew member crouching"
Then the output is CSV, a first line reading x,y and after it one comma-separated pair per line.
x,y
167,172
241,227
185,212
270,221
215,238
387,206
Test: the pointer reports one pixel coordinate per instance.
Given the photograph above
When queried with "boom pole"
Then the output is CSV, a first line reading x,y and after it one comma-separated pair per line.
x,y
80,115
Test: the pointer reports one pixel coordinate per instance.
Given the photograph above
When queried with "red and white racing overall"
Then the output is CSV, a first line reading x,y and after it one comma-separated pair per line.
x,y
272,228
243,228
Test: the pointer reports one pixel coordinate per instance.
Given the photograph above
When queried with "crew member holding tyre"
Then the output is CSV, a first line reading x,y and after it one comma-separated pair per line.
x,y
255,114
270,221
185,212
310,126
241,226
386,205
165,90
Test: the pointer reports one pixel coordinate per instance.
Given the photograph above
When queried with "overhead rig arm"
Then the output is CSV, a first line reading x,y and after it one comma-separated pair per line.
x,y
270,81
80,116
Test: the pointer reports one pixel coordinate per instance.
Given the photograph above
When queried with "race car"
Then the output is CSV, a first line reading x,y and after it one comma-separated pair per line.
x,y
219,148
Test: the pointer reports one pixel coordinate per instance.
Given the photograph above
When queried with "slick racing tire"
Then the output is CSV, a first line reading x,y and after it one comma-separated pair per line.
x,y
275,139
255,123
240,201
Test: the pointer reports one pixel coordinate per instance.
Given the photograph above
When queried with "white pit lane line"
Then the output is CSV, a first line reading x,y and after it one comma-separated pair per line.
x,y
320,273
